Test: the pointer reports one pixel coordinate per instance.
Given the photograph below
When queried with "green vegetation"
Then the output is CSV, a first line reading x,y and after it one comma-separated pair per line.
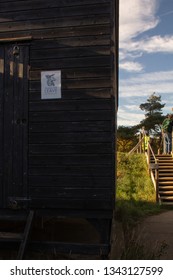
x,y
135,200
127,137
153,114
135,193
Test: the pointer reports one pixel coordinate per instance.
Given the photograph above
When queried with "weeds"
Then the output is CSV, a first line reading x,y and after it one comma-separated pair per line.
x,y
135,199
137,251
135,194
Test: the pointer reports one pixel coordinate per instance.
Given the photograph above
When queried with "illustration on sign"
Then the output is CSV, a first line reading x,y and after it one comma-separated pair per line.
x,y
51,84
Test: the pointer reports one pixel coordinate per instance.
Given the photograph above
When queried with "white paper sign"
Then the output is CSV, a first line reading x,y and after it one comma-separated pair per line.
x,y
51,84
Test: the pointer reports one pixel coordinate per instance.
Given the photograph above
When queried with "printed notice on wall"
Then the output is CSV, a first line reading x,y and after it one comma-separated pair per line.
x,y
51,84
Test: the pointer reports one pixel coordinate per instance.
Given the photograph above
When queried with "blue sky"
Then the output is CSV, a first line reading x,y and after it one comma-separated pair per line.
x,y
145,56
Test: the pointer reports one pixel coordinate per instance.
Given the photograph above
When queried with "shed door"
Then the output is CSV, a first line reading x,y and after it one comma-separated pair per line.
x,y
13,125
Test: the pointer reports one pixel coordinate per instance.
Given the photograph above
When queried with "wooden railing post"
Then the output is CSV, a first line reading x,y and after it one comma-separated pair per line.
x,y
149,155
154,169
140,147
164,144
157,181
137,147
172,142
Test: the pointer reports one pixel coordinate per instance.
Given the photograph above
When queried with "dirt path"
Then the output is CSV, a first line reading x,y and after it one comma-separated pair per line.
x,y
154,235
157,231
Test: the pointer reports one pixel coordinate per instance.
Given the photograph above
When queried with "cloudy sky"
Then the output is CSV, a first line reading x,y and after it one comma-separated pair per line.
x,y
145,56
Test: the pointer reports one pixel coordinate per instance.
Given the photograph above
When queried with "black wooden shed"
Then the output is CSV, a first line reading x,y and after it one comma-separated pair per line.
x,y
58,100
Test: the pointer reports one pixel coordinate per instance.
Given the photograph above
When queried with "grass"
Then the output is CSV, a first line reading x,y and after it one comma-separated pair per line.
x,y
135,200
135,193
133,182
136,250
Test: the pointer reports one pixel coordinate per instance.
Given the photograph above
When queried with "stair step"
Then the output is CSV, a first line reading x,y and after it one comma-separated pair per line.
x,y
167,183
165,172
166,192
166,178
166,167
168,171
12,216
167,203
167,198
165,162
163,187
161,164
10,235
165,159
163,156
16,237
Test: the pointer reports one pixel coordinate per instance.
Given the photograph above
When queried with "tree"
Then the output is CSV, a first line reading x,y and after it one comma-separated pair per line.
x,y
126,138
153,106
153,114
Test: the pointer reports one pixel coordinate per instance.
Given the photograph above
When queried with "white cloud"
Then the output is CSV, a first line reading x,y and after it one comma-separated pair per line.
x,y
123,54
127,118
131,107
152,77
132,115
145,84
137,89
131,66
153,44
136,17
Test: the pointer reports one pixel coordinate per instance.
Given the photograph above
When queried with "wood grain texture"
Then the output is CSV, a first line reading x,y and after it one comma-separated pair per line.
x,y
68,144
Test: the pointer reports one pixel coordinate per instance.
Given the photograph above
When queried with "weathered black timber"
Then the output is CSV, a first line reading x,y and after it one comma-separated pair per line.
x,y
58,154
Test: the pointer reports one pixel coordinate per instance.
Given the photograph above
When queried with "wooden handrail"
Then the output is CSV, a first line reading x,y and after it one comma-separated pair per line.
x,y
136,147
154,170
151,150
152,167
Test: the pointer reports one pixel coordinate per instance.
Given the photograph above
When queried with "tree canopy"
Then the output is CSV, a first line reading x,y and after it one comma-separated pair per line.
x,y
153,106
127,136
153,114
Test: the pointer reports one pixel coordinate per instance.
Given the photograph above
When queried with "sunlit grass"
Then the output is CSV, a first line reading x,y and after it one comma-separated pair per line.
x,y
135,200
135,193
133,180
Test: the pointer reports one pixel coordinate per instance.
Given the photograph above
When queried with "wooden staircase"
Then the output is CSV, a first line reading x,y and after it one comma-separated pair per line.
x,y
161,171
165,179
9,220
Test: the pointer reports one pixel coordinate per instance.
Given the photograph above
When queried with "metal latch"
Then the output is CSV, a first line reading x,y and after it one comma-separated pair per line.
x,y
16,50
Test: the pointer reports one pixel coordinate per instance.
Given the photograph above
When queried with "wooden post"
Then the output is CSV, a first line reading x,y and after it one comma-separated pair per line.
x,y
140,144
172,143
149,155
164,148
155,167
157,181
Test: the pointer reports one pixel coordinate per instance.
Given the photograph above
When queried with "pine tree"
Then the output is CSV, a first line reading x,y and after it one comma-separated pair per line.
x,y
153,106
153,113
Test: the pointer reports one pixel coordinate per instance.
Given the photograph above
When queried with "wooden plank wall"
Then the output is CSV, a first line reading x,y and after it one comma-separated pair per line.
x,y
71,140
1,117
